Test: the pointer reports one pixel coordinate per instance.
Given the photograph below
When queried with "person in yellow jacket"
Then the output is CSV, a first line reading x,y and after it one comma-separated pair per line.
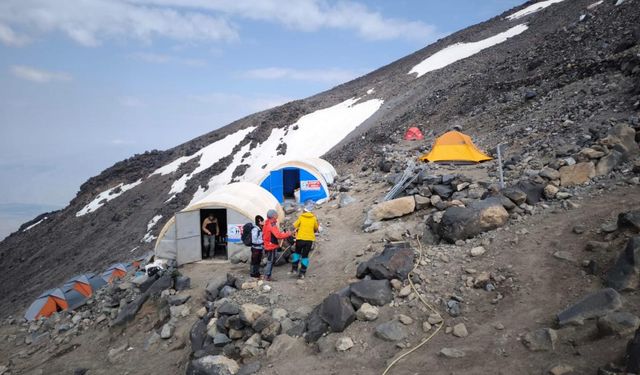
x,y
305,228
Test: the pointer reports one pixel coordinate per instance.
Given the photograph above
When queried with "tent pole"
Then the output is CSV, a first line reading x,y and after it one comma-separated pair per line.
x,y
500,166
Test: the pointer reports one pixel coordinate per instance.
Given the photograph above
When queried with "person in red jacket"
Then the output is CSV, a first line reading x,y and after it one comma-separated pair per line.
x,y
270,235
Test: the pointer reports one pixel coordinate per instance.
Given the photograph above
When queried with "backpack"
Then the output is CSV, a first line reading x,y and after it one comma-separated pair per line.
x,y
246,234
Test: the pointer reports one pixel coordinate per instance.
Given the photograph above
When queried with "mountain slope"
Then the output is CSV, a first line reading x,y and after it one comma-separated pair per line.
x,y
572,71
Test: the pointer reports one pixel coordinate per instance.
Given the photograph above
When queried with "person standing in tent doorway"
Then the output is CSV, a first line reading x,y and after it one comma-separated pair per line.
x,y
211,230
270,235
256,246
305,229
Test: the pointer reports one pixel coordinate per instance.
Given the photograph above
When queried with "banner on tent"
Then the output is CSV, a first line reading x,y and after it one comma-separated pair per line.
x,y
311,185
234,232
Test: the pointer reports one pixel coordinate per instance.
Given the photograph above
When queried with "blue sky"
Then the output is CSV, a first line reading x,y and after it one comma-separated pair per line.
x,y
86,84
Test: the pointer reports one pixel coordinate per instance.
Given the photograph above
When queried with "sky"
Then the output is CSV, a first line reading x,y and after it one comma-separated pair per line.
x,y
84,84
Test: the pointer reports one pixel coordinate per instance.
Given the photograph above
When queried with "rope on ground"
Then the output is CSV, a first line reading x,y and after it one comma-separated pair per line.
x,y
440,325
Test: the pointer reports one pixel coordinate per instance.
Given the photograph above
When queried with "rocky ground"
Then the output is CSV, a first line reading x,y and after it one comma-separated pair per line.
x,y
499,291
517,275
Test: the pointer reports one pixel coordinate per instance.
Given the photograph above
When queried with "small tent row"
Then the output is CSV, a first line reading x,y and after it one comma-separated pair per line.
x,y
73,293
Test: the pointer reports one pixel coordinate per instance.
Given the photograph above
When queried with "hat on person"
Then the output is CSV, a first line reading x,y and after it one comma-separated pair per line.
x,y
307,208
271,214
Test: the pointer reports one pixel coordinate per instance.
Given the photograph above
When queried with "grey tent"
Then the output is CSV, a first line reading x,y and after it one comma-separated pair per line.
x,y
47,303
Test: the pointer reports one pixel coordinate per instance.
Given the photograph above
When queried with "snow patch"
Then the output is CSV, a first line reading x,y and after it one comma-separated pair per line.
x,y
532,9
153,221
106,196
314,135
148,238
33,225
595,4
209,155
461,51
370,91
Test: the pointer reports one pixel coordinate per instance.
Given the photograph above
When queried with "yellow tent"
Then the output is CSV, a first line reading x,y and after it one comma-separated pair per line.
x,y
454,146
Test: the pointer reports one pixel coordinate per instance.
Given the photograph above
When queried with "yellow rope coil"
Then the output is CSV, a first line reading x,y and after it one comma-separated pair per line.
x,y
440,325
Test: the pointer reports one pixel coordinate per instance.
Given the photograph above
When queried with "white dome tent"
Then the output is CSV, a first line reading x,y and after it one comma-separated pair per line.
x,y
302,179
233,205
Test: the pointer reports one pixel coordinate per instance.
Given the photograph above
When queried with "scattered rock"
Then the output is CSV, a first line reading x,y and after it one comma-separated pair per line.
x,y
249,312
596,304
618,323
541,340
344,344
395,262
560,369
452,353
477,251
577,174
459,223
213,364
391,209
391,331
366,312
460,330
337,312
404,319
625,273
630,219
375,292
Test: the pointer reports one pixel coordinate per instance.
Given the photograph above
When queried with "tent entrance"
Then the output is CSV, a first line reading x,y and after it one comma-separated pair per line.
x,y
290,181
220,250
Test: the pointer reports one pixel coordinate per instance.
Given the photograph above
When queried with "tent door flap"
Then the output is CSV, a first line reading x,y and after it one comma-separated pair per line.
x,y
188,237
277,185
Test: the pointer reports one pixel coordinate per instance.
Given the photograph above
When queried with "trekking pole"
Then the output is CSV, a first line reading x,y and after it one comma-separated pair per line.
x,y
500,166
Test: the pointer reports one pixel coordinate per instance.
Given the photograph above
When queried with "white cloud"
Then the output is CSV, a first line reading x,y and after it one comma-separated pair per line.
x,y
38,75
317,75
10,38
89,22
156,58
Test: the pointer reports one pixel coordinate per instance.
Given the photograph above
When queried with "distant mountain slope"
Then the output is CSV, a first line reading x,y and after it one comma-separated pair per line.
x,y
554,73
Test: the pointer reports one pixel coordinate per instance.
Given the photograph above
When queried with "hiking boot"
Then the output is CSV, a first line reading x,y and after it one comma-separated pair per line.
x,y
269,278
292,273
301,276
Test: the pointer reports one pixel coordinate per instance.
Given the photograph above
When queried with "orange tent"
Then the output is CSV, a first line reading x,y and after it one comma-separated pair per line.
x,y
81,284
454,146
413,134
46,304
115,271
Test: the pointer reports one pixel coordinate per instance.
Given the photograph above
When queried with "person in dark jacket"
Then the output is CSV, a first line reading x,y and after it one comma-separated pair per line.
x,y
270,235
211,230
256,247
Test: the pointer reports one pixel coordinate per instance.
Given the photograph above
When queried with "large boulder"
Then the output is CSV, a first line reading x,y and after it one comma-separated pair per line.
x,y
337,312
630,219
281,345
594,305
632,356
618,323
625,273
240,256
540,340
459,223
395,262
607,163
214,285
622,139
577,174
532,190
391,209
444,191
374,292
515,194
213,365
316,326
198,334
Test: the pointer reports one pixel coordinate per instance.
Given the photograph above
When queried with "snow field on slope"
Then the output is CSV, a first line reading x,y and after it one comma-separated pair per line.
x,y
316,134
532,9
459,51
106,196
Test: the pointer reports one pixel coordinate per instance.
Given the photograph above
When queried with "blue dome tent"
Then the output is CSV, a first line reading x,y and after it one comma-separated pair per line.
x,y
302,180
